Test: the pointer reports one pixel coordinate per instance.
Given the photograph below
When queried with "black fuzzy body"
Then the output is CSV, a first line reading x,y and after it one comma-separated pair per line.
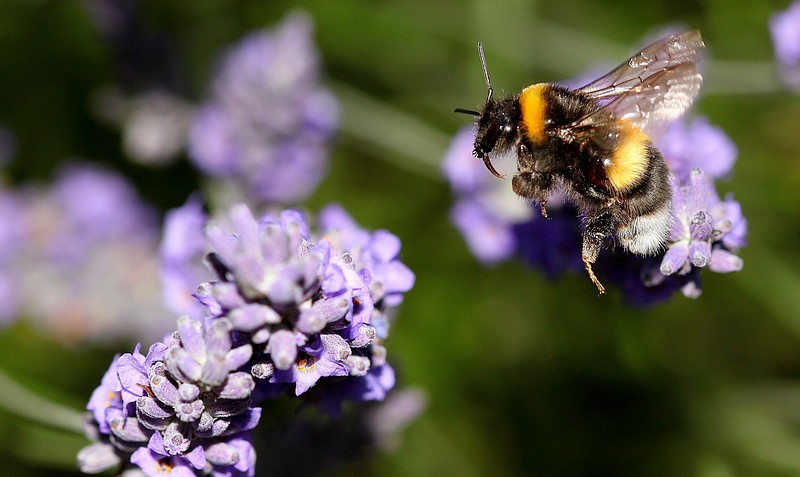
x,y
558,158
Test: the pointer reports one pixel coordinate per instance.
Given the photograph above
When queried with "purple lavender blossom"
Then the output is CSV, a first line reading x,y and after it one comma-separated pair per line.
x,y
269,122
100,206
182,247
689,145
785,30
286,309
79,257
311,308
110,422
377,252
698,236
183,408
562,234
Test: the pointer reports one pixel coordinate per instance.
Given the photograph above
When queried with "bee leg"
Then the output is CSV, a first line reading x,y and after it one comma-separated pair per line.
x,y
544,211
533,185
600,288
598,226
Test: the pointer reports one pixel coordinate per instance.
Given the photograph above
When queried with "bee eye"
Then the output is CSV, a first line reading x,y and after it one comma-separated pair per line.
x,y
499,126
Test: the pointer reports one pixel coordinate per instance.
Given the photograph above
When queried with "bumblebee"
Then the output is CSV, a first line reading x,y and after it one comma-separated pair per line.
x,y
593,145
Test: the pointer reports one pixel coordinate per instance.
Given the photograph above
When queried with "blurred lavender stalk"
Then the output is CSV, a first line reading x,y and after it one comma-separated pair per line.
x,y
784,28
268,124
79,258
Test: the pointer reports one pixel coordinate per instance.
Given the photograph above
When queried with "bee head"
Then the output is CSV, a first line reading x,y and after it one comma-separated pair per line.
x,y
496,125
496,128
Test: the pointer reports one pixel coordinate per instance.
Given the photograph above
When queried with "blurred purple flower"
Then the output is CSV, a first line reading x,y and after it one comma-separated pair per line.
x,y
269,122
181,252
154,124
398,409
80,257
97,205
785,30
466,174
486,209
12,242
688,145
552,244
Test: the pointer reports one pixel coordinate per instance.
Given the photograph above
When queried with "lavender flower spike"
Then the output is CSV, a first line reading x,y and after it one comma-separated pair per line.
x,y
699,236
286,308
310,308
269,122
185,407
785,30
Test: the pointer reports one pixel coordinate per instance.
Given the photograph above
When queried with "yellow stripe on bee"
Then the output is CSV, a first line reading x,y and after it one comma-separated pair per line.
x,y
629,160
533,108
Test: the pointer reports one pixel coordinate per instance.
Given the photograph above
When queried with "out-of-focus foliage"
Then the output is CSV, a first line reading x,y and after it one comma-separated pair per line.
x,y
524,376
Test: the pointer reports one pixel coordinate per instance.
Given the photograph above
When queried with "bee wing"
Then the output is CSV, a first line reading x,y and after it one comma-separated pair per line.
x,y
664,54
651,89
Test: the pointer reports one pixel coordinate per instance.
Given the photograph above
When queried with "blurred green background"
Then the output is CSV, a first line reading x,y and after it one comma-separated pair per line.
x,y
524,376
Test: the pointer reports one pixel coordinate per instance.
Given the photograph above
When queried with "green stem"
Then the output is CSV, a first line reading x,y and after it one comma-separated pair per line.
x,y
24,403
391,129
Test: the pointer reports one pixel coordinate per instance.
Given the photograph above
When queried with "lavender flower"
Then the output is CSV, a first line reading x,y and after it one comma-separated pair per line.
x,y
377,252
706,231
285,310
311,310
785,30
185,407
181,252
269,122
688,145
12,242
79,257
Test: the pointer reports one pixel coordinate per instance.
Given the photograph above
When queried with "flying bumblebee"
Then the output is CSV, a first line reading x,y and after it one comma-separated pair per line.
x,y
592,143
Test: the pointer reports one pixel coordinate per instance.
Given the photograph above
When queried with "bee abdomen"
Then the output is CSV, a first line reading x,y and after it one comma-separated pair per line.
x,y
647,233
648,206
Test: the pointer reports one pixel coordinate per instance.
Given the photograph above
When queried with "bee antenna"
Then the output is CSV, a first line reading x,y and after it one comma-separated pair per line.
x,y
466,111
485,71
